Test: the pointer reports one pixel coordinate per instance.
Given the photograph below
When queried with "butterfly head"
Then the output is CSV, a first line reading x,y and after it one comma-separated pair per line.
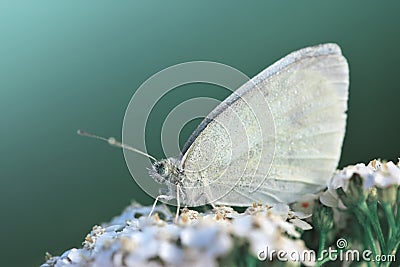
x,y
167,170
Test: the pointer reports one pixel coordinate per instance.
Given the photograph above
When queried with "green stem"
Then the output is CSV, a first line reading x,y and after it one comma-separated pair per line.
x,y
359,214
394,244
324,261
321,247
392,230
384,264
398,217
393,251
398,209
371,212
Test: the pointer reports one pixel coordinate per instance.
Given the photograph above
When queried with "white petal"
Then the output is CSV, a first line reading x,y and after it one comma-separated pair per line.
x,y
198,237
170,253
281,210
301,224
329,198
222,245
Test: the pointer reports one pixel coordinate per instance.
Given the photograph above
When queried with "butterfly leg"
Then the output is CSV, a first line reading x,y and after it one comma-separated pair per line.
x,y
166,197
208,201
178,201
212,205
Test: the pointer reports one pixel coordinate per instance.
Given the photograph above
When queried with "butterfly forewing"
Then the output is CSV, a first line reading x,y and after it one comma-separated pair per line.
x,y
277,137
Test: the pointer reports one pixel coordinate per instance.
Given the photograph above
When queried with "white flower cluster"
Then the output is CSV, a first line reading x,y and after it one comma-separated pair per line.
x,y
196,239
374,175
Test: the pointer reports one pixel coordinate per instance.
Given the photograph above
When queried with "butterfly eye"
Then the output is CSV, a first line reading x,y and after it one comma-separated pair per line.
x,y
161,168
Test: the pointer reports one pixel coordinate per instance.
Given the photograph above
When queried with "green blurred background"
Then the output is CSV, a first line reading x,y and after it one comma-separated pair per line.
x,y
66,65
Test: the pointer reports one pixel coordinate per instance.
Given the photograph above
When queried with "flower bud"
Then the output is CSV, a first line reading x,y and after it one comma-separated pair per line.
x,y
355,193
388,195
322,218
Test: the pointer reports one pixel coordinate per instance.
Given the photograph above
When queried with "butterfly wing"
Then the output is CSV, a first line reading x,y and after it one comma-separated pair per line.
x,y
277,137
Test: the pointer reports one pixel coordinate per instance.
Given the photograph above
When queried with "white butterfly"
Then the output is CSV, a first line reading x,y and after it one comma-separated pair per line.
x,y
275,139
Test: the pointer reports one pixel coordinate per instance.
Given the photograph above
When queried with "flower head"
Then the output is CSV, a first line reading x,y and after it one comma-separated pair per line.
x,y
354,183
196,239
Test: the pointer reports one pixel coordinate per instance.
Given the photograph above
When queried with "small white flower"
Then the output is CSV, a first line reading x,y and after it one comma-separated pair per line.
x,y
330,199
198,237
342,179
281,210
195,240
91,238
264,231
286,227
102,259
224,210
242,225
170,253
146,242
386,175
375,164
375,174
104,240
190,214
304,207
223,244
301,224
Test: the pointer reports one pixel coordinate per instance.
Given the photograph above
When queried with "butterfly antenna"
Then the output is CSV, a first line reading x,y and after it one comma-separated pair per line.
x,y
113,142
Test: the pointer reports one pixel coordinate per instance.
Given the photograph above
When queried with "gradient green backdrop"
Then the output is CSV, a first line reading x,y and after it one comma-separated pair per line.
x,y
66,65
